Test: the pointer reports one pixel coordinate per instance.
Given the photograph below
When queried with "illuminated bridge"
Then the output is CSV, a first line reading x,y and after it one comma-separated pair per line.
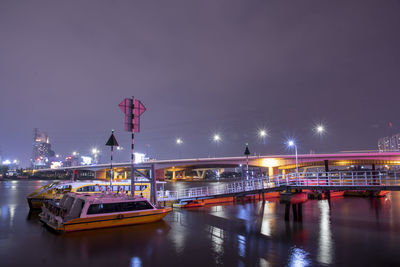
x,y
268,165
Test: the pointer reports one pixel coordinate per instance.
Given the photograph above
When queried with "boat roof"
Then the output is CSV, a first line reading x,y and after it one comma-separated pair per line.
x,y
76,184
107,197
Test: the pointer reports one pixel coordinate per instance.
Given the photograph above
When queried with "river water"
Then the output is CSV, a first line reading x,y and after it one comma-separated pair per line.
x,y
347,231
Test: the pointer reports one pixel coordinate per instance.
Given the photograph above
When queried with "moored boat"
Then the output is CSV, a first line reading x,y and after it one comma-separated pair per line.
x,y
56,190
75,212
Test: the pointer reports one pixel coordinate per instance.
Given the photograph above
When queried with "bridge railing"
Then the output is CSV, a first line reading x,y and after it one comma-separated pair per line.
x,y
342,178
306,179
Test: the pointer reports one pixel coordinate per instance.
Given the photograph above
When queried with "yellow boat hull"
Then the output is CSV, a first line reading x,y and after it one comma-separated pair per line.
x,y
111,220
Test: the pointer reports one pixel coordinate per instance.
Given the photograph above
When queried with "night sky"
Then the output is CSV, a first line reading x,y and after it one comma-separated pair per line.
x,y
200,67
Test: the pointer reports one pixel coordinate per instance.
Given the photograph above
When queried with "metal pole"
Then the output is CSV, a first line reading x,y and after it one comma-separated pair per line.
x,y
154,183
133,166
297,163
132,152
111,167
247,167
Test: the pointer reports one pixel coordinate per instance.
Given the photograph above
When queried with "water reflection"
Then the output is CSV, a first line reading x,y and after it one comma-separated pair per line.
x,y
298,257
136,262
241,245
325,243
268,218
217,239
247,234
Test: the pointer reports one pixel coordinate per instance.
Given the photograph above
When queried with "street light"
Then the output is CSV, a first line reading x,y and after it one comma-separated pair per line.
x,y
320,129
95,152
262,134
290,144
216,138
179,142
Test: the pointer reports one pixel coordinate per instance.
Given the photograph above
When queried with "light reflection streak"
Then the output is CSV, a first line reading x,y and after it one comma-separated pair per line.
x,y
244,213
242,245
325,244
263,262
298,258
219,211
217,238
136,262
266,223
12,208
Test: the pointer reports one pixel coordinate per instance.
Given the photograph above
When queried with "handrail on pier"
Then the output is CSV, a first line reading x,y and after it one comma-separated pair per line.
x,y
328,180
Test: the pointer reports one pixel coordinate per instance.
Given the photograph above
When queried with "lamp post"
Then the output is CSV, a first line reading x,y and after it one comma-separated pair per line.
x,y
292,143
247,153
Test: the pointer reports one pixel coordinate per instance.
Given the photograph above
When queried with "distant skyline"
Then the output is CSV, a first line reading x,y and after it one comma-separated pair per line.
x,y
201,68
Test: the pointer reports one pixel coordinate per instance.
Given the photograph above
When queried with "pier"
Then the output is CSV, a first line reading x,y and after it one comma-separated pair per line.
x,y
368,180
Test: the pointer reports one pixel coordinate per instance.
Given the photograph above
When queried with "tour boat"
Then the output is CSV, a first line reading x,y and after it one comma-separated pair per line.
x,y
55,190
75,212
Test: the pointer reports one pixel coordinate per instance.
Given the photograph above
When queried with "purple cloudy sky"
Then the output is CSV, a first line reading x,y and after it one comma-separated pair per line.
x,y
199,67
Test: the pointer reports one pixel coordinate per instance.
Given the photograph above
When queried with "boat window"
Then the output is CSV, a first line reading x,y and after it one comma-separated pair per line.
x,y
140,187
118,207
89,188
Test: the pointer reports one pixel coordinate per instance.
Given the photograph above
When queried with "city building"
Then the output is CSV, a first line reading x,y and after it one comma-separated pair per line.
x,y
389,143
41,152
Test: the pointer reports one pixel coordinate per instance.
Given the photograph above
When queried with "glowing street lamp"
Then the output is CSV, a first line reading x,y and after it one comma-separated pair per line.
x,y
95,152
262,134
179,142
320,129
216,139
290,144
